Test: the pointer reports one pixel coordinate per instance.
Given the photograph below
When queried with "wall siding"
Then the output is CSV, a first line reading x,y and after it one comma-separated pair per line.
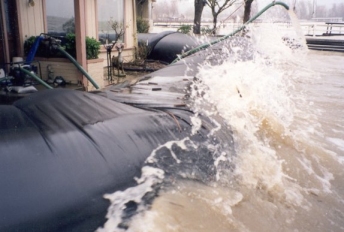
x,y
32,21
96,71
65,69
70,73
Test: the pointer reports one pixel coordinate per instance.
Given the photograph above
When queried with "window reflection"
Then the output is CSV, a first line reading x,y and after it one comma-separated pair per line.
x,y
60,16
110,12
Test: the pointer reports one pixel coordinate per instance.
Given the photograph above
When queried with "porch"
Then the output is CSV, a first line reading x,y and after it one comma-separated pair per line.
x,y
12,93
20,20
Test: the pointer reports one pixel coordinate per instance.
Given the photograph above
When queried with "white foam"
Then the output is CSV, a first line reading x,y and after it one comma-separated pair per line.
x,y
338,142
256,97
150,176
196,124
168,145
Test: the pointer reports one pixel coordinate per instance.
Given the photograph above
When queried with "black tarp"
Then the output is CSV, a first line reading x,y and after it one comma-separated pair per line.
x,y
61,150
165,46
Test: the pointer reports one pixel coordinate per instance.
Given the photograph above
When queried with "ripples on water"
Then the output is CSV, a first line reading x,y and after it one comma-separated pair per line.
x,y
284,107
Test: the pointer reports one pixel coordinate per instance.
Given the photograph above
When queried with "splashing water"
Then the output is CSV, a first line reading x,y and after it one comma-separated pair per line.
x,y
287,130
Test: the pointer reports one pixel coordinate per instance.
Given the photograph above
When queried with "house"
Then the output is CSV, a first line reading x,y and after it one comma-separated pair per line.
x,y
22,19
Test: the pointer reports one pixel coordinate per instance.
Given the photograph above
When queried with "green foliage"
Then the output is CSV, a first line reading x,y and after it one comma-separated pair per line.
x,y
68,43
42,50
28,44
69,46
142,25
185,29
92,48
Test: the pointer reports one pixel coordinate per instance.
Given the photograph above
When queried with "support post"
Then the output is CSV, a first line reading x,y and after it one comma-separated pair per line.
x,y
80,37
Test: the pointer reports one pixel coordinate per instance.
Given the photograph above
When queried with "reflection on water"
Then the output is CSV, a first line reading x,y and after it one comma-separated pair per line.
x,y
285,109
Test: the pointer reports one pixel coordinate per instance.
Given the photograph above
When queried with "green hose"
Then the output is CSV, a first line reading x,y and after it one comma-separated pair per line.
x,y
78,66
35,77
203,46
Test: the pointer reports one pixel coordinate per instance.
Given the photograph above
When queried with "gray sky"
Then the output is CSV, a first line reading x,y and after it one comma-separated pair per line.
x,y
329,2
65,7
186,4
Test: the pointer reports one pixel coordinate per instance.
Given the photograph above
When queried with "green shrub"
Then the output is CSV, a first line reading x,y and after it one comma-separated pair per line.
x,y
185,29
69,46
92,48
28,44
142,25
68,43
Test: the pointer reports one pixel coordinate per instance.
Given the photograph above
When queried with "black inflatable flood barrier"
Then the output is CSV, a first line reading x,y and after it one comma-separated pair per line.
x,y
322,44
165,46
62,150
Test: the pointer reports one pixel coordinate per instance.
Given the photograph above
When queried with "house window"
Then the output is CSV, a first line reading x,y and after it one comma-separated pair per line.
x,y
110,14
60,17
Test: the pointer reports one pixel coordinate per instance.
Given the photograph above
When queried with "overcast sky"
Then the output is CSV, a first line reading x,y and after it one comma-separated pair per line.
x,y
65,7
329,2
185,5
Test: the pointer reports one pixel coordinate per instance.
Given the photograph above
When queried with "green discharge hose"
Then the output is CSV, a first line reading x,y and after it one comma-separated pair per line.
x,y
35,77
78,66
203,46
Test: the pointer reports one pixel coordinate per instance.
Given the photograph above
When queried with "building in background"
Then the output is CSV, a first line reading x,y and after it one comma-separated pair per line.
x,y
144,10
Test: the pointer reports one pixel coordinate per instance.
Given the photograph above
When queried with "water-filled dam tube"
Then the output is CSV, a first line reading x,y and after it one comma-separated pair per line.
x,y
165,46
62,150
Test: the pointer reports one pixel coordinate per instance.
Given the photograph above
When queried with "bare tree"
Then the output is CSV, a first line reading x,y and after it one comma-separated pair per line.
x,y
119,29
247,12
199,5
217,7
